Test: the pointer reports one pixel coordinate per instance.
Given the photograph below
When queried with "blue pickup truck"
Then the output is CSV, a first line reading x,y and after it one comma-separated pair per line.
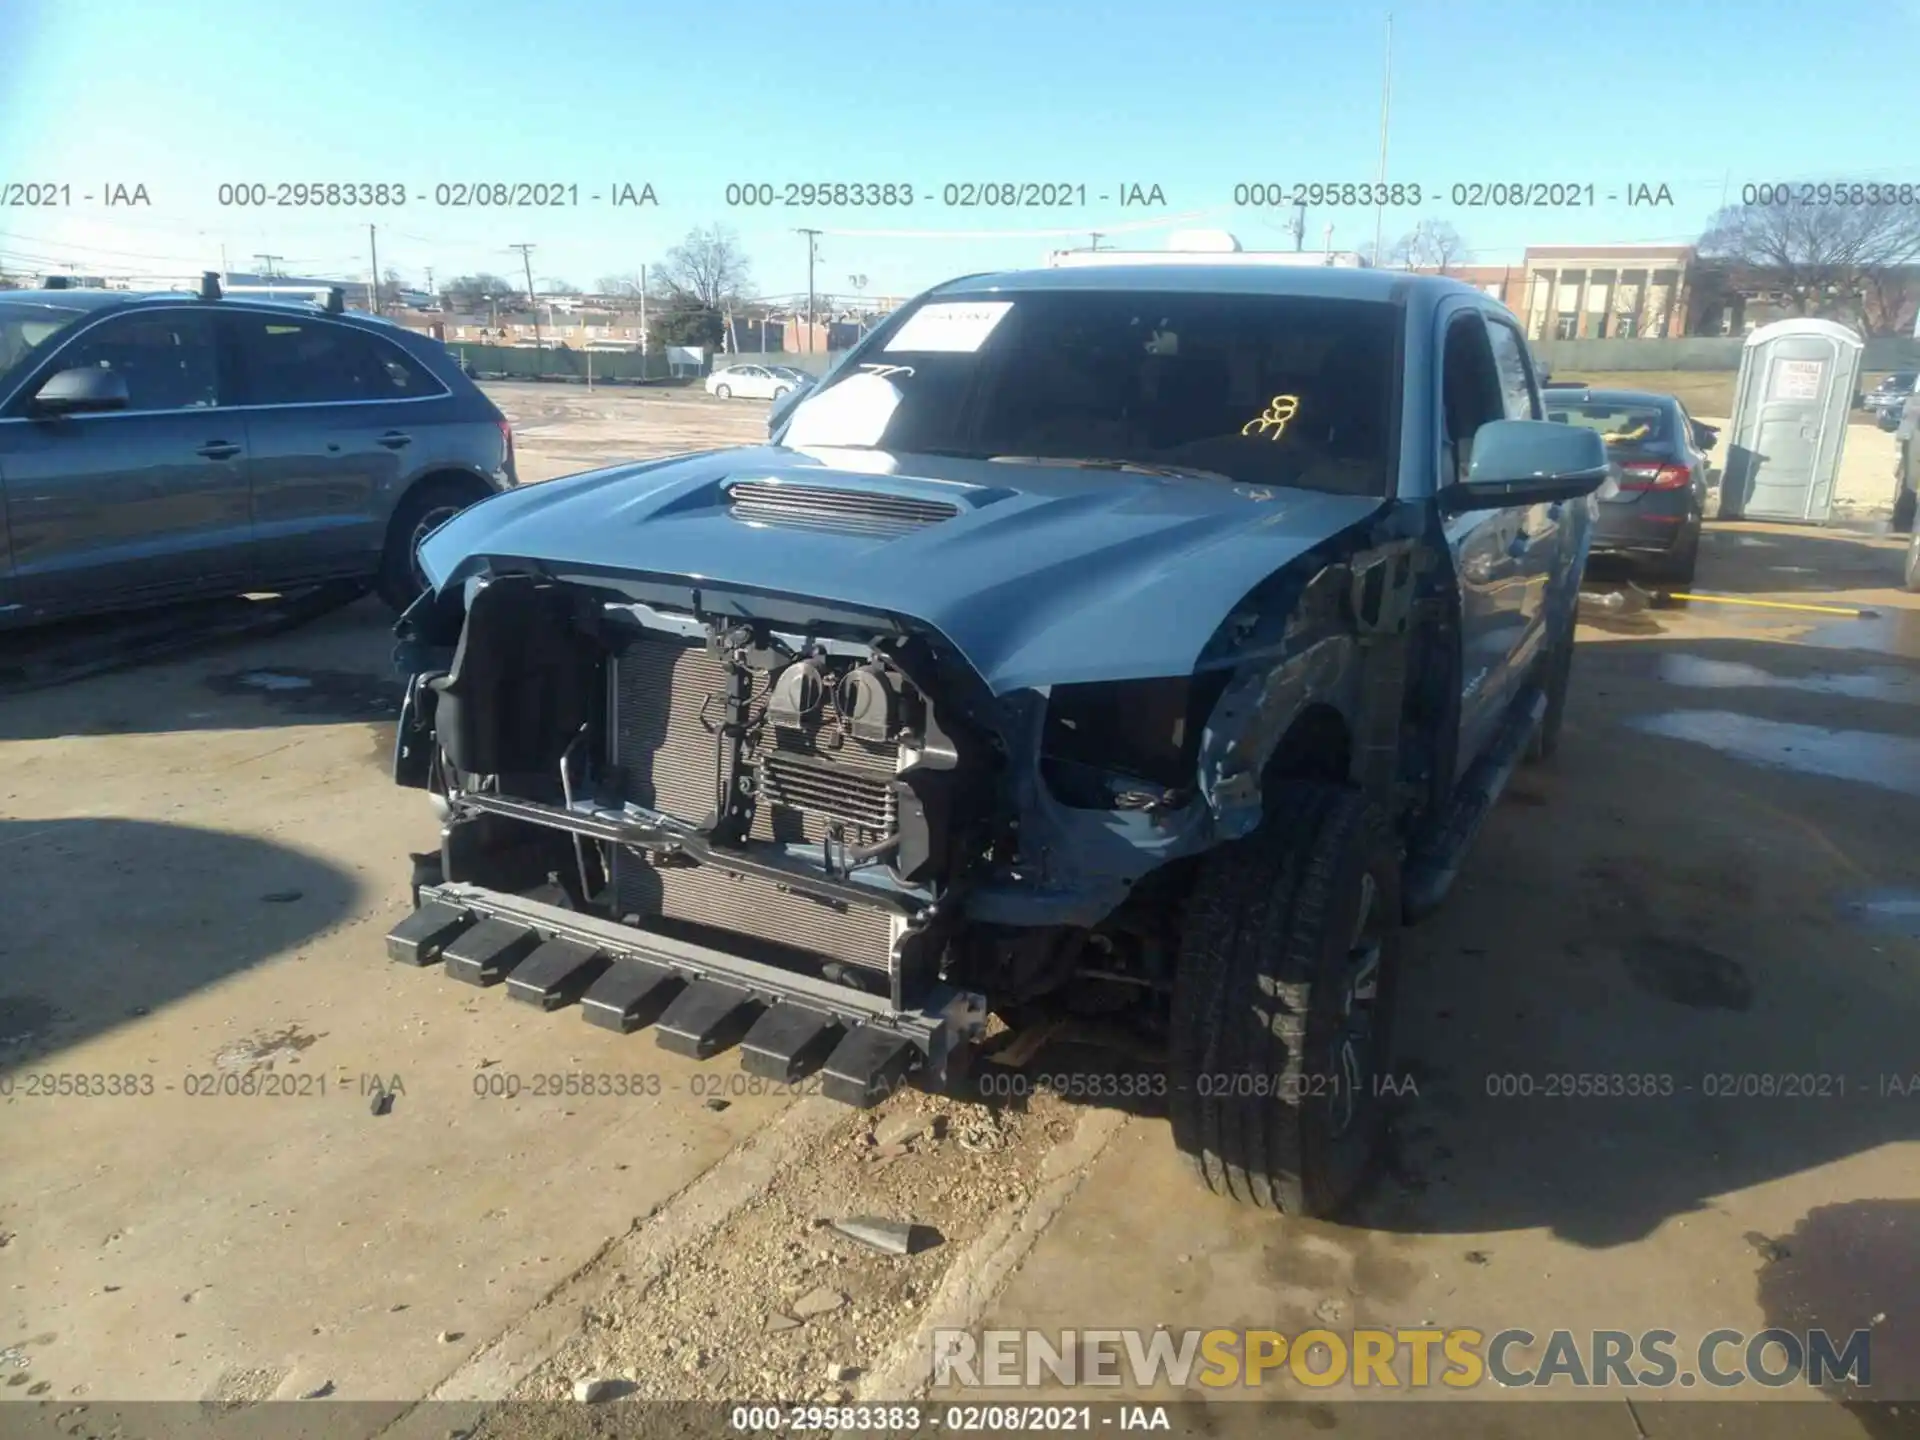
x,y
1139,641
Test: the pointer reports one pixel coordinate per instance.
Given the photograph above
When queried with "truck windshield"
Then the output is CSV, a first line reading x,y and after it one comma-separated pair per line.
x,y
25,327
1260,389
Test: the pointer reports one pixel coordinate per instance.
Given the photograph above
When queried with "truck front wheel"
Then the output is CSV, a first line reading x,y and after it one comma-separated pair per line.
x,y
1282,1006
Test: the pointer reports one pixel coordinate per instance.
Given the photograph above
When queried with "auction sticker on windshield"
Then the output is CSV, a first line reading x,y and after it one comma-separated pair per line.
x,y
950,327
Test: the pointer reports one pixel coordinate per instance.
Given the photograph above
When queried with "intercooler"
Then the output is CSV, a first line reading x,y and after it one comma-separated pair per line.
x,y
668,699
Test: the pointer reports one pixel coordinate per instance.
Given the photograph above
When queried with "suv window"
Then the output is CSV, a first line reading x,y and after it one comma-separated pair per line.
x,y
24,328
1470,393
296,360
1510,359
1270,390
166,358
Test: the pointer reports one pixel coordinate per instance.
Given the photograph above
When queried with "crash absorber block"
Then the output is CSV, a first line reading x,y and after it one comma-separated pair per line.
x,y
556,974
789,1042
487,953
421,938
630,995
867,1066
708,1017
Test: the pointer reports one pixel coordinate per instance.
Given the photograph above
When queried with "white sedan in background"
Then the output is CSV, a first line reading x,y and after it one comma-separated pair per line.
x,y
754,382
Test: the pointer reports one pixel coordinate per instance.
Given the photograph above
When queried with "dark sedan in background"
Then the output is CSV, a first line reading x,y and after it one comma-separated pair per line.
x,y
1651,510
165,447
1885,400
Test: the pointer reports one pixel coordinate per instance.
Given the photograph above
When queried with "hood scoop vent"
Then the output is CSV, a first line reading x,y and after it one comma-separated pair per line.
x,y
813,507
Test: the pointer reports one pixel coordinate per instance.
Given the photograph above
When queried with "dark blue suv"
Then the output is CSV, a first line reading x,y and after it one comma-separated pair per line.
x,y
163,447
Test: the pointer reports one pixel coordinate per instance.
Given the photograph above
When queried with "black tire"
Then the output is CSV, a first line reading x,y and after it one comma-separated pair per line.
x,y
1903,510
1556,677
1282,1006
1675,571
423,508
781,393
723,392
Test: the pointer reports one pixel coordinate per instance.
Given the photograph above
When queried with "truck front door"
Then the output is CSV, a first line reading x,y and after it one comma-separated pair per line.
x,y
1487,546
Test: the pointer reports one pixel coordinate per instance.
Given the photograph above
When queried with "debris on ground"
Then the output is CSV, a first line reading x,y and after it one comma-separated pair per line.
x,y
382,1103
591,1392
890,1237
818,1301
776,1293
907,1125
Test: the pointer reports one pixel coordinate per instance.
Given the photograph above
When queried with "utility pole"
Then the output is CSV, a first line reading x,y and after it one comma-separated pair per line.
x,y
223,262
813,250
430,291
267,262
1386,98
373,290
643,322
1300,227
539,351
1094,235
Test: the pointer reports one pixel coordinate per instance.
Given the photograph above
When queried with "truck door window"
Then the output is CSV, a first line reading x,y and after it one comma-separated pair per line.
x,y
1516,375
1469,391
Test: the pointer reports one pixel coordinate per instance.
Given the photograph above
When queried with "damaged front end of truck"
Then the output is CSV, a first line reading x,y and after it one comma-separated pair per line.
x,y
823,830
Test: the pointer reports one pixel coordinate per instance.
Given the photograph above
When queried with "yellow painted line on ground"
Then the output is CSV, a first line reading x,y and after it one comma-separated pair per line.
x,y
1770,604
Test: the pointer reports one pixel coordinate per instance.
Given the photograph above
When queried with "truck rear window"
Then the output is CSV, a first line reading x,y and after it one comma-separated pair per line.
x,y
1635,427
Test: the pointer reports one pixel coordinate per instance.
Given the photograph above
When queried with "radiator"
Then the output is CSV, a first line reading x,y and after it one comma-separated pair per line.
x,y
668,697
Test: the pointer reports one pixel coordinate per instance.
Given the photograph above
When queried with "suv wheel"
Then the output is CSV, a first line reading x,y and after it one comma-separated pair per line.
x,y
423,509
1282,1003
1903,508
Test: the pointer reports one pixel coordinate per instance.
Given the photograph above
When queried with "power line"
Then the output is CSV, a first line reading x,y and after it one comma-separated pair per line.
x,y
526,259
813,253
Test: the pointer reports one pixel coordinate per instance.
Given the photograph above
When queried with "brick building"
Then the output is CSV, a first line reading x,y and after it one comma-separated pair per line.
x,y
1582,292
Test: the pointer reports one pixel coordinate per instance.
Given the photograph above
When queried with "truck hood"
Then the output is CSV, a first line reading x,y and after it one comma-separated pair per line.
x,y
1043,575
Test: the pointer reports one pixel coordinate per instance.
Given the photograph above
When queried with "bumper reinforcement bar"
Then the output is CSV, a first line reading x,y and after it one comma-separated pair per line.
x,y
699,1001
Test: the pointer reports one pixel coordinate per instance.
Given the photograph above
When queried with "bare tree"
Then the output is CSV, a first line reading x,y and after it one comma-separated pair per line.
x,y
706,271
1832,261
1431,245
554,285
628,284
470,292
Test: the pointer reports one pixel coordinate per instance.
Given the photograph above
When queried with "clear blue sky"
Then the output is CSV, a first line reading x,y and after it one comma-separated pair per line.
x,y
1192,95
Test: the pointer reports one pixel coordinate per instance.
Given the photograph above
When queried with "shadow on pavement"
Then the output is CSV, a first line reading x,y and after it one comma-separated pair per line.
x,y
321,663
1675,966
1658,982
108,919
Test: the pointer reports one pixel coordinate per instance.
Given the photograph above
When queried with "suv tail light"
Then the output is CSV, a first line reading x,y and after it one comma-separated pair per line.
x,y
1655,477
